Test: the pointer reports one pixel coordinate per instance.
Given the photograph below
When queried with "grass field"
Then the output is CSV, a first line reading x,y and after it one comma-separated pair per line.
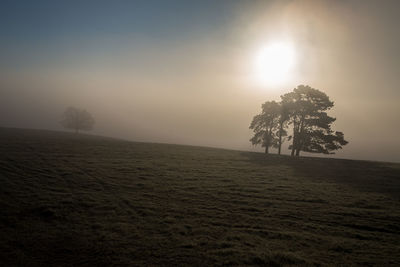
x,y
68,200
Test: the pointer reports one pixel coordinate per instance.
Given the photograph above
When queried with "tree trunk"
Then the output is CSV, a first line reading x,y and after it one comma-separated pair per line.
x,y
294,142
267,145
300,139
299,145
268,139
279,147
293,149
280,139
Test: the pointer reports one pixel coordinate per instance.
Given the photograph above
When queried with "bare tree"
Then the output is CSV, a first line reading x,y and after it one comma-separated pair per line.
x,y
77,119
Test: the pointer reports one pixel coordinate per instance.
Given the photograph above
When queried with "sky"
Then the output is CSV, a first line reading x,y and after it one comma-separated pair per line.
x,y
184,72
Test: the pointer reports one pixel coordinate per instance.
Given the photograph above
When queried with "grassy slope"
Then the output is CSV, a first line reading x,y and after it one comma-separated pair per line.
x,y
79,200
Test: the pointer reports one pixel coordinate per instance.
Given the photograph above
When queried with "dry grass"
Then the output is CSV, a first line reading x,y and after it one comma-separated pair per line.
x,y
80,200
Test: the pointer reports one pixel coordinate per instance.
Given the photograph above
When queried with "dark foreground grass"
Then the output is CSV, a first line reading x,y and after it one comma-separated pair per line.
x,y
73,200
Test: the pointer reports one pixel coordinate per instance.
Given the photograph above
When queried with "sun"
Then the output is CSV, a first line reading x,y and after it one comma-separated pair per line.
x,y
274,63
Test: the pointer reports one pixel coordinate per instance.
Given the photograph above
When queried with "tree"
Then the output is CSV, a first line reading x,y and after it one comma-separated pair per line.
x,y
306,108
265,125
282,123
77,119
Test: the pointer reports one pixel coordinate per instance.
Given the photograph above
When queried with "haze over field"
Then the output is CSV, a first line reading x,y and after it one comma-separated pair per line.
x,y
186,71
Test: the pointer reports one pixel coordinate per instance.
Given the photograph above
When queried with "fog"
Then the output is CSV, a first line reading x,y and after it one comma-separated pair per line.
x,y
183,73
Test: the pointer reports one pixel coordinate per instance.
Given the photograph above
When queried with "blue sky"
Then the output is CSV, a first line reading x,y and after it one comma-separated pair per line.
x,y
33,31
36,21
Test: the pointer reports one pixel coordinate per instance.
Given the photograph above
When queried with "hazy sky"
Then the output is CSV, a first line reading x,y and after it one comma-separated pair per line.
x,y
183,71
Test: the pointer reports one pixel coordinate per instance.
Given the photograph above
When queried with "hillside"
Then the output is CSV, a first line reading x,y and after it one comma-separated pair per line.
x,y
69,199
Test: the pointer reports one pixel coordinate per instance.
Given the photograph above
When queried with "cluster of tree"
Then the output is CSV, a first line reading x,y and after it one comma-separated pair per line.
x,y
304,111
77,119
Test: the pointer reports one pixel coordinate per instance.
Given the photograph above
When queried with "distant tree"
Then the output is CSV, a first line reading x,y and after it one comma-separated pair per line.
x,y
306,108
265,126
77,119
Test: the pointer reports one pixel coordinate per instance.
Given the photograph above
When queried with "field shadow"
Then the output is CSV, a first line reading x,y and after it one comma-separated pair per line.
x,y
366,176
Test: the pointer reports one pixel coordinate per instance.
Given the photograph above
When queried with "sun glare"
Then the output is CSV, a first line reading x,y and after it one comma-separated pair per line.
x,y
274,63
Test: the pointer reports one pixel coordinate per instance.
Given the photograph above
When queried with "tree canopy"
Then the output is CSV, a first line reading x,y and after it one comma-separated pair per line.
x,y
265,124
77,119
304,110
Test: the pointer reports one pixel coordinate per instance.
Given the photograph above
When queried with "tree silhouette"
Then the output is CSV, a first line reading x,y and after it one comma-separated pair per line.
x,y
282,123
305,111
311,124
77,119
265,126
